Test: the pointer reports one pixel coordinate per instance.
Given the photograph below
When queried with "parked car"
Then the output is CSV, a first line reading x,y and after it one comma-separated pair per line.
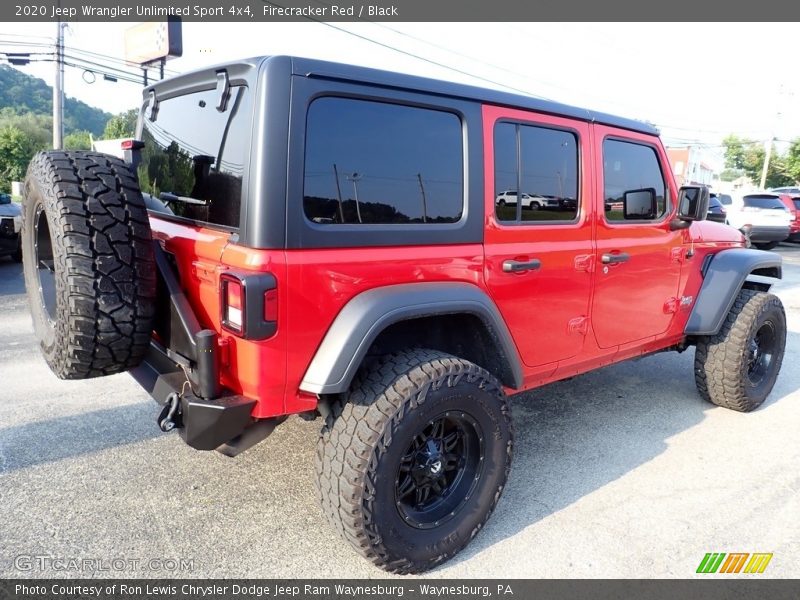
x,y
403,319
763,217
10,225
794,226
716,210
570,204
509,197
785,190
795,237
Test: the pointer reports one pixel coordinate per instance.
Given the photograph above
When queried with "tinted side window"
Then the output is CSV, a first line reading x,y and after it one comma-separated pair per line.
x,y
378,163
630,167
195,151
543,164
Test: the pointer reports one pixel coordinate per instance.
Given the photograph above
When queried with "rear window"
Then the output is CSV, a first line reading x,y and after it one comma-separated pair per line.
x,y
194,151
763,202
725,199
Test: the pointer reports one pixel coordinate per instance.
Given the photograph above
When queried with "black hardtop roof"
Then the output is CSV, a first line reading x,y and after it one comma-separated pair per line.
x,y
319,68
308,67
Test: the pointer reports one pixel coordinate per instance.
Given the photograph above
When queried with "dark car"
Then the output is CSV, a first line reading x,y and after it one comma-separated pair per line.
x,y
10,224
716,210
786,190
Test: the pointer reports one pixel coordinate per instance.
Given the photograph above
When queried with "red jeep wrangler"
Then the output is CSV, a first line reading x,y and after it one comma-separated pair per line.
x,y
289,236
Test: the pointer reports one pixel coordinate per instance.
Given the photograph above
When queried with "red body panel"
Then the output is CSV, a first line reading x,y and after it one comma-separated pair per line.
x,y
572,315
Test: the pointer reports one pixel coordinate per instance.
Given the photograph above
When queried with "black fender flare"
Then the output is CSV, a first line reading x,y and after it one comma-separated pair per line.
x,y
366,315
723,278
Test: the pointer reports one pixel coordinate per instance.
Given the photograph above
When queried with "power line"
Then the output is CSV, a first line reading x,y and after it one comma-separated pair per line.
x,y
412,55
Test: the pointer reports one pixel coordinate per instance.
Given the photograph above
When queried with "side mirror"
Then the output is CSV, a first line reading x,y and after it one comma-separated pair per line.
x,y
692,206
693,203
640,204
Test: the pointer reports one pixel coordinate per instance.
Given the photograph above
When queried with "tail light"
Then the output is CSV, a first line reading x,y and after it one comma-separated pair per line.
x,y
232,304
249,305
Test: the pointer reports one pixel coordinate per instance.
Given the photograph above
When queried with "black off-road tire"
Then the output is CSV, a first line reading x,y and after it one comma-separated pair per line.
x,y
727,372
364,441
88,263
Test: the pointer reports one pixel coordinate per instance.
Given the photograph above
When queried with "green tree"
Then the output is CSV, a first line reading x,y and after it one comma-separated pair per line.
x,y
748,156
77,140
121,126
38,128
793,161
16,150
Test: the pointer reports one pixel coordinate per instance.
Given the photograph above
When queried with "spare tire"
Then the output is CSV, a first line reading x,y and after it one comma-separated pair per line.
x,y
88,263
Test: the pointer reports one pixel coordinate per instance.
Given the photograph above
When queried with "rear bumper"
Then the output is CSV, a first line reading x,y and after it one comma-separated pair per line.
x,y
760,233
204,424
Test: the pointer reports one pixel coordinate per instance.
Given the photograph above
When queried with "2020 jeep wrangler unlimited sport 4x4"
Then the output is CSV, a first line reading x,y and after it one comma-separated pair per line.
x,y
288,236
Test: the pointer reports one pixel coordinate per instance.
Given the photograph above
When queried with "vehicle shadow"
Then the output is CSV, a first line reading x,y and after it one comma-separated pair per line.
x,y
11,279
574,437
40,442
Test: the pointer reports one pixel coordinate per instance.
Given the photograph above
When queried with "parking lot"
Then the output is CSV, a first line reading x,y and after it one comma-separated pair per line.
x,y
623,472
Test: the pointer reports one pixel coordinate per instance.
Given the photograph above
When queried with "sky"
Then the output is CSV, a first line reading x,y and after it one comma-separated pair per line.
x,y
697,82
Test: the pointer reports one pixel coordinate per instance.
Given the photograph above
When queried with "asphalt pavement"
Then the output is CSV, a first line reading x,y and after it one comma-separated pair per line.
x,y
623,472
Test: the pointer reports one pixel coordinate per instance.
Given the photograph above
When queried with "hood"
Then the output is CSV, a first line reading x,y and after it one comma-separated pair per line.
x,y
710,231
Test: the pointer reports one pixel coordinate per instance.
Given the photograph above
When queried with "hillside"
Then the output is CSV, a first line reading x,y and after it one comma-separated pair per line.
x,y
23,93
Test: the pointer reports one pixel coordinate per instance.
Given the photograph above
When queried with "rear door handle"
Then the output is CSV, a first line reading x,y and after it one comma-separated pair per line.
x,y
613,259
517,266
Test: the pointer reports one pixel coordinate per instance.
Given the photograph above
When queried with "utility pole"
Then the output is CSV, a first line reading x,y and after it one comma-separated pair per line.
x,y
338,193
355,178
765,170
424,199
58,90
766,164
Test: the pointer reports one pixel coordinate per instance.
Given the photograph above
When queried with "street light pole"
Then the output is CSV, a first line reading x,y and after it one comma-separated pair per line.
x,y
58,89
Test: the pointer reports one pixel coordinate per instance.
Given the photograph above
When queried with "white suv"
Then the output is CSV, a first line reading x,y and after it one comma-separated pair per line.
x,y
528,201
762,217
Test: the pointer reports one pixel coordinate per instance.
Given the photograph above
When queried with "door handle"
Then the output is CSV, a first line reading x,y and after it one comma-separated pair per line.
x,y
613,259
517,266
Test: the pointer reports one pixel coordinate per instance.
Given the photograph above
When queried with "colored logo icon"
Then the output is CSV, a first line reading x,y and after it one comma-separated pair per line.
x,y
734,562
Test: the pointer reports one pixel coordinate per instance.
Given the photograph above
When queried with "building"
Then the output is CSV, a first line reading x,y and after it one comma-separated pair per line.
x,y
690,166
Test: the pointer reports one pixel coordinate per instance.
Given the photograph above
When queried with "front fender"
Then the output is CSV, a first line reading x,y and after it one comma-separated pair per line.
x,y
724,277
365,316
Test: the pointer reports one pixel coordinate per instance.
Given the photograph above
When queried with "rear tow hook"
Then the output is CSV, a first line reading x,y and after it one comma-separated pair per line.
x,y
169,418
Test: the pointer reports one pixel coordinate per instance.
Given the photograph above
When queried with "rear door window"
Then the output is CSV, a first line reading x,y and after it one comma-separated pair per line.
x,y
543,163
197,153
